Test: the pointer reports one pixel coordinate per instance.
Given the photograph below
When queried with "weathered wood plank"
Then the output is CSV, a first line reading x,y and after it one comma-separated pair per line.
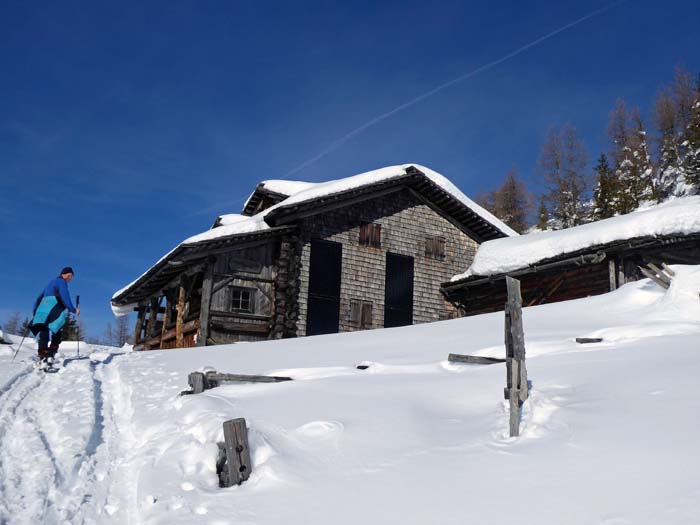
x,y
238,464
179,335
514,399
214,378
138,327
653,277
612,271
668,269
207,284
588,340
661,274
196,381
474,359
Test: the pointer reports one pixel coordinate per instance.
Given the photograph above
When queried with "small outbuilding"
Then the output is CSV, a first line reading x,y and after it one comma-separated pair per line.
x,y
577,262
367,251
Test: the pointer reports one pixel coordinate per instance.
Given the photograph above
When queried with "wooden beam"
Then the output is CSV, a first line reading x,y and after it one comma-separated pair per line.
x,y
238,465
139,325
180,340
612,272
206,302
215,378
474,359
152,318
166,316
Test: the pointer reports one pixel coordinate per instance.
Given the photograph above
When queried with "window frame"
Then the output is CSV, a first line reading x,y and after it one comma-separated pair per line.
x,y
251,299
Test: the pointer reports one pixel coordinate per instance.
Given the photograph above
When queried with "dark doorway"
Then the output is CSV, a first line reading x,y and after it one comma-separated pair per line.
x,y
398,294
324,288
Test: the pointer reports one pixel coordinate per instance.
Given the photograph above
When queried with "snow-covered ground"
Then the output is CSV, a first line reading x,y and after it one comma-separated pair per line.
x,y
608,435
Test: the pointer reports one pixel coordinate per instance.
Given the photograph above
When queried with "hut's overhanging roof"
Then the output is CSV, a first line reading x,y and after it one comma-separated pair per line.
x,y
436,188
679,217
297,199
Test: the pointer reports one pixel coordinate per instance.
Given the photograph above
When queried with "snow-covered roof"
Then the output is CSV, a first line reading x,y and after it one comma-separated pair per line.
x,y
232,225
355,182
677,217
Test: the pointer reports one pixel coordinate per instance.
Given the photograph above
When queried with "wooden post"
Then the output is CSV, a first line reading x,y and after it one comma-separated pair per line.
x,y
207,284
152,318
613,274
139,324
196,381
516,372
179,336
238,465
166,317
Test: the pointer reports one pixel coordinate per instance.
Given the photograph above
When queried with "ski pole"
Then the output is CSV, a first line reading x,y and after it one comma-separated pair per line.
x,y
26,331
77,305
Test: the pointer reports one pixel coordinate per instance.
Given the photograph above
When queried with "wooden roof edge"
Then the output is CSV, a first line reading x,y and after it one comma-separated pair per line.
x,y
183,248
257,195
570,258
412,176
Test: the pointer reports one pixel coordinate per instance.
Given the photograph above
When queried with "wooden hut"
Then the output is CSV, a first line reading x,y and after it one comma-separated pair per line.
x,y
585,260
368,251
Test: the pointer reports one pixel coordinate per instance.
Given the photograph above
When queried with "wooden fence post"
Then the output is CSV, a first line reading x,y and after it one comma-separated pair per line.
x,y
516,372
238,466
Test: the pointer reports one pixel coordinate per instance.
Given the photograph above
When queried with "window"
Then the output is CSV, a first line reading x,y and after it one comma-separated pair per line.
x,y
435,247
370,234
361,313
242,299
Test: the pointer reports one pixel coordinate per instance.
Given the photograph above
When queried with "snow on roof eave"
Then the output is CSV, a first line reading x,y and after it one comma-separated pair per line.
x,y
115,300
338,188
679,217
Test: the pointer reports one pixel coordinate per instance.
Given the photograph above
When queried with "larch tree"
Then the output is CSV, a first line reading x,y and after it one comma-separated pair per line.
x,y
562,165
512,202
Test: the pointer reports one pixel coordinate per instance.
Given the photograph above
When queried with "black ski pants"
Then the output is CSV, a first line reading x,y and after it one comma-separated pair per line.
x,y
44,349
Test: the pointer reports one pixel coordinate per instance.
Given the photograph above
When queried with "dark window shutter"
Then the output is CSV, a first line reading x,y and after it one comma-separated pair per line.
x,y
366,315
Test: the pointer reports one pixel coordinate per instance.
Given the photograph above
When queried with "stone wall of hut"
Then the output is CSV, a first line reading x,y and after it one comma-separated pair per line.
x,y
406,222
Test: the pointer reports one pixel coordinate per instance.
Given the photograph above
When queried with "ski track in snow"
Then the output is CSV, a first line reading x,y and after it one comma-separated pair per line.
x,y
54,455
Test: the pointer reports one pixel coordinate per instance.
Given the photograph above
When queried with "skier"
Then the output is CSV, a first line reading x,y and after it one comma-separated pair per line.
x,y
50,314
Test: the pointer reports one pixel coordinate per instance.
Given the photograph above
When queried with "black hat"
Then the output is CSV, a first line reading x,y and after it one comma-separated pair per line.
x,y
66,270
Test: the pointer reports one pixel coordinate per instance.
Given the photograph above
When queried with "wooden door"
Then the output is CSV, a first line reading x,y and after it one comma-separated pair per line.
x,y
323,315
398,292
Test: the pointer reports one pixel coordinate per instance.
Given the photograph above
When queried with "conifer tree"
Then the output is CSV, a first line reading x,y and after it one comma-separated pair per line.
x,y
672,114
543,215
562,165
605,194
692,146
512,202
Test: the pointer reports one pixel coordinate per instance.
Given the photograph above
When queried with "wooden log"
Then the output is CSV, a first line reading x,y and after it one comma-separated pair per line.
x,y
653,277
613,274
474,359
588,340
215,378
660,273
668,269
206,303
197,381
238,466
166,317
179,336
152,318
139,325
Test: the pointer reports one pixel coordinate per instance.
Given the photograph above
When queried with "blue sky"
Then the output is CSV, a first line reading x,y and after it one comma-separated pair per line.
x,y
125,128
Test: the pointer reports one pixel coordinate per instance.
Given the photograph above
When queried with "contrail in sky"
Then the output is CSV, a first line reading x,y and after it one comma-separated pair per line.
x,y
376,120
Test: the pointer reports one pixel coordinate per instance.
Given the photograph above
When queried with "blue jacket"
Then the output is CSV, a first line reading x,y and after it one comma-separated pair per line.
x,y
50,307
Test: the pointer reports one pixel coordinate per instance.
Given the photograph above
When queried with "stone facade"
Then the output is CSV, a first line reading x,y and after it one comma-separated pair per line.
x,y
405,224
